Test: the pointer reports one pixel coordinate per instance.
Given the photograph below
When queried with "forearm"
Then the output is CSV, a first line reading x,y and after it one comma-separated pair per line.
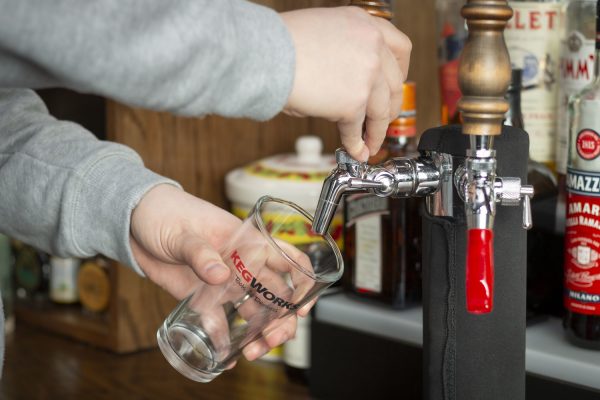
x,y
192,57
63,190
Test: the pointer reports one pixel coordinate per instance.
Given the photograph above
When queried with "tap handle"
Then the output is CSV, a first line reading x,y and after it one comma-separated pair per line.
x,y
527,194
512,193
480,271
343,158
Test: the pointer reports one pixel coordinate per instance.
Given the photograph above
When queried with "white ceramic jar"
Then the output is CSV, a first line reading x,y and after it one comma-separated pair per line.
x,y
294,177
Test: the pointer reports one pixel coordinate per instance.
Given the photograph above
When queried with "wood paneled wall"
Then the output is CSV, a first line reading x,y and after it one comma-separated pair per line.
x,y
199,152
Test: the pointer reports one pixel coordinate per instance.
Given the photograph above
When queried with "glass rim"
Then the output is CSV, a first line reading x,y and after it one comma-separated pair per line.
x,y
326,236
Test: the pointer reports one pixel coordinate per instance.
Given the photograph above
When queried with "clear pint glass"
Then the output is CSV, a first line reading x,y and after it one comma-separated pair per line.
x,y
273,275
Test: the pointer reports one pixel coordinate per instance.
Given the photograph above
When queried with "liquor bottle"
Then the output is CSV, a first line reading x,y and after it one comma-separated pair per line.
x,y
31,271
582,232
538,174
532,37
576,62
544,247
577,45
382,235
93,285
296,352
63,279
452,34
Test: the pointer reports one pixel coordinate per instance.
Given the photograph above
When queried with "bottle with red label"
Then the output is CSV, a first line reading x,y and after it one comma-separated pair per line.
x,y
381,234
582,231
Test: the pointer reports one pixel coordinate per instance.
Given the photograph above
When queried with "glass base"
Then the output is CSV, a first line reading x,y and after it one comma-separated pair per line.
x,y
188,351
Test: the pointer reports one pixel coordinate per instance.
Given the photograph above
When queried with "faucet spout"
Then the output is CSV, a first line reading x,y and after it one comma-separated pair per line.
x,y
397,177
334,186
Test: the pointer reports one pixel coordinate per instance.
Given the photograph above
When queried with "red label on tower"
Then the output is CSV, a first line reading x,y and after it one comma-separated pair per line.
x,y
582,244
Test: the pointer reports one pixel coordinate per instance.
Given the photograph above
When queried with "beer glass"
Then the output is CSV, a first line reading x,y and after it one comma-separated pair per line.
x,y
277,264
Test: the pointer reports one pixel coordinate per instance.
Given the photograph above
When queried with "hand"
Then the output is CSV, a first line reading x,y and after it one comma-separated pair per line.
x,y
175,239
350,67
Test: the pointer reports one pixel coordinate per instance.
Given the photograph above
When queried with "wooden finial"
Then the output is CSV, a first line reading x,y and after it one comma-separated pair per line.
x,y
381,9
484,71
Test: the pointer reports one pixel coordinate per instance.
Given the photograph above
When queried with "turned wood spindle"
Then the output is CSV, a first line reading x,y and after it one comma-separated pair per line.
x,y
484,71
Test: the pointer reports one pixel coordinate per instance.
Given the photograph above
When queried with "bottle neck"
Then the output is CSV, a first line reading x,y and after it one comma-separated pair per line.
x,y
513,116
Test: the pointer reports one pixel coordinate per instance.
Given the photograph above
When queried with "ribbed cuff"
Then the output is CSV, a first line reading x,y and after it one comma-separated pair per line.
x,y
101,214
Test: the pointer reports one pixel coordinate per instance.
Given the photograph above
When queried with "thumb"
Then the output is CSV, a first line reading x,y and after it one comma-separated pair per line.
x,y
204,260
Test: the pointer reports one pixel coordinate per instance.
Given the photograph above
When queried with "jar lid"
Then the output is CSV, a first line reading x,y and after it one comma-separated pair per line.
x,y
295,177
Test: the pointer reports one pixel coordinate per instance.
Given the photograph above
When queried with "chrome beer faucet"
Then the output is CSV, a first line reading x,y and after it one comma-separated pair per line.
x,y
398,177
481,190
484,75
431,175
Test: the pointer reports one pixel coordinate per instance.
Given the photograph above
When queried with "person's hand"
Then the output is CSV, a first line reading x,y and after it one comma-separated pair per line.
x,y
350,67
175,239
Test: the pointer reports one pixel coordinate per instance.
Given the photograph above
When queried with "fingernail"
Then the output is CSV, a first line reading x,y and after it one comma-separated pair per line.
x,y
364,154
217,271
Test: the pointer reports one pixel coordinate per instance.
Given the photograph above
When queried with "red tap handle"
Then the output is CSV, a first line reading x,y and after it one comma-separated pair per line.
x,y
480,271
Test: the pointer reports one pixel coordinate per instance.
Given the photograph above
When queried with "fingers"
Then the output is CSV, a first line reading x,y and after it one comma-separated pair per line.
x,y
395,78
303,312
277,333
351,135
178,280
398,43
378,115
385,95
204,259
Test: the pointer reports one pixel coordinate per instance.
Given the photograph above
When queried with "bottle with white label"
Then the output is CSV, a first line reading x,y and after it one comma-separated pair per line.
x,y
63,280
582,232
532,37
296,352
576,63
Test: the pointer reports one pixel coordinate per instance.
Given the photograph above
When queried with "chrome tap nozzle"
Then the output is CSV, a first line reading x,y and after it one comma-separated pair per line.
x,y
349,176
398,177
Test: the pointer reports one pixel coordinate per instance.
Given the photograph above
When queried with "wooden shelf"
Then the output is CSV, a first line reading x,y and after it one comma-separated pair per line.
x,y
137,308
68,320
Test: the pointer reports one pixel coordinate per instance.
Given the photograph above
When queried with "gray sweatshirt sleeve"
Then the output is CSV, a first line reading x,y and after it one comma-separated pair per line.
x,y
63,190
190,57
